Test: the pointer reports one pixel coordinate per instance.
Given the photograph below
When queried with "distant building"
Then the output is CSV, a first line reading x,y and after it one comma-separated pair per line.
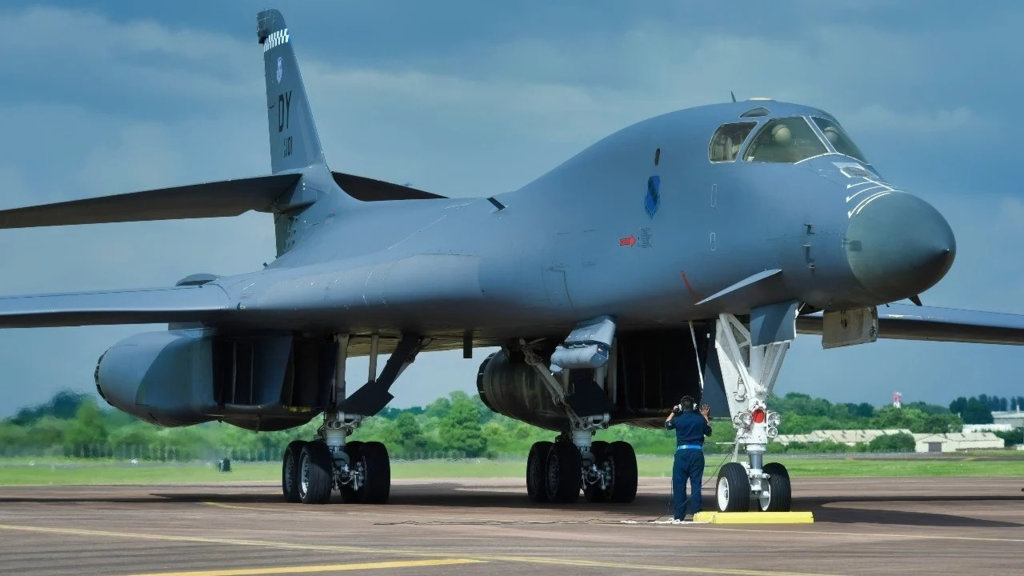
x,y
848,437
1000,427
950,442
955,441
1013,418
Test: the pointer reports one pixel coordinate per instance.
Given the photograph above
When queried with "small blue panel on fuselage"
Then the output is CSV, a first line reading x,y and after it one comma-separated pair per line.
x,y
653,198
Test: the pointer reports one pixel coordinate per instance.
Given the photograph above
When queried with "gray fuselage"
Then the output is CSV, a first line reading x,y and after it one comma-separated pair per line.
x,y
582,240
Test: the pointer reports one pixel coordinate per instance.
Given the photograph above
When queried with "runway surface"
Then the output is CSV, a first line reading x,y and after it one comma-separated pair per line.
x,y
462,527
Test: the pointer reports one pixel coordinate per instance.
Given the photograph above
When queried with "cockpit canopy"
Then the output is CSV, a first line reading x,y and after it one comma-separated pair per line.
x,y
785,140
838,138
725,144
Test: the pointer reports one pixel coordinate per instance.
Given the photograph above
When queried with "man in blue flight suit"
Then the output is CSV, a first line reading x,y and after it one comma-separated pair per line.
x,y
691,427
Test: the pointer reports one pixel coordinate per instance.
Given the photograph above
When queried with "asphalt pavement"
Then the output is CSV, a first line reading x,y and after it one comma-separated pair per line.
x,y
473,526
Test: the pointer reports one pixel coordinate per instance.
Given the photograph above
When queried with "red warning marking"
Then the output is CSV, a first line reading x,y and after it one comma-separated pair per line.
x,y
627,241
688,287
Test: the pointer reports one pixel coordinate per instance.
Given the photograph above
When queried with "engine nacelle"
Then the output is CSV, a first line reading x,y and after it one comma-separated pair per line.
x,y
648,373
161,377
514,389
183,377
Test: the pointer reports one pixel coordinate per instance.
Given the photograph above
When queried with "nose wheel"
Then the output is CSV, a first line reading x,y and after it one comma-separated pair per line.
x,y
776,495
734,491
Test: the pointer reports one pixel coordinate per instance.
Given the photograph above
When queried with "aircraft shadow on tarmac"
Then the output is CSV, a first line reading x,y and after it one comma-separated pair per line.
x,y
646,507
849,510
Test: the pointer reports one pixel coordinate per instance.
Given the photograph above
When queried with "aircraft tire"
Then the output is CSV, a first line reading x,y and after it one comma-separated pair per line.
x,y
348,494
733,489
780,497
376,464
624,472
536,471
316,473
563,473
290,471
593,492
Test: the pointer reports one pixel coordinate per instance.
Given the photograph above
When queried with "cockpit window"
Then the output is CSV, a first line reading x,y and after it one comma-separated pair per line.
x,y
725,144
785,140
838,138
756,112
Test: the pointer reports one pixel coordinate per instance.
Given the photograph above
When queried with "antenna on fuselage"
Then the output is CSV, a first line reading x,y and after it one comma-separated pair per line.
x,y
731,93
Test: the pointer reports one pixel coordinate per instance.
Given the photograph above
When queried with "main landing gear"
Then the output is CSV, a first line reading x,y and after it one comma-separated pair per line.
x,y
558,471
749,372
361,471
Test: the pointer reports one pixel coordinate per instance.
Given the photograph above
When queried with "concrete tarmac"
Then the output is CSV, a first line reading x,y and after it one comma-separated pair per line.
x,y
468,527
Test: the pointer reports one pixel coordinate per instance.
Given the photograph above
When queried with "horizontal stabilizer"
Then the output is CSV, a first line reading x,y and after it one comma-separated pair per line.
x,y
210,200
156,305
903,322
370,190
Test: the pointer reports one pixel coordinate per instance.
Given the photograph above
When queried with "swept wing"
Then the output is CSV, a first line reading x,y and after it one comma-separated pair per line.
x,y
209,200
179,304
905,322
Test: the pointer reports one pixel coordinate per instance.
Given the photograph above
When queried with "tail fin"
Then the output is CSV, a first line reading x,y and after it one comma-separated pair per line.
x,y
294,142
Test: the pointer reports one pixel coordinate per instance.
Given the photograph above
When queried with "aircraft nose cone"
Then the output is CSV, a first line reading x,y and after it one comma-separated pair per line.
x,y
898,246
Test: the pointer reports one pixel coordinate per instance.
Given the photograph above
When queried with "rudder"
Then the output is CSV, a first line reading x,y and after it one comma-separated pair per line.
x,y
294,142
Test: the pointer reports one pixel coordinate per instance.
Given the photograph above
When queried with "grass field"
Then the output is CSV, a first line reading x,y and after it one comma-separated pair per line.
x,y
24,471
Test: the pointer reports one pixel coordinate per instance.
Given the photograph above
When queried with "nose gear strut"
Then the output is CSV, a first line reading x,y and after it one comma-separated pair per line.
x,y
749,372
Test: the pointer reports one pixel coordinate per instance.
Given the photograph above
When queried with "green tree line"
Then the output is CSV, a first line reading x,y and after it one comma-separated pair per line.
x,y
455,426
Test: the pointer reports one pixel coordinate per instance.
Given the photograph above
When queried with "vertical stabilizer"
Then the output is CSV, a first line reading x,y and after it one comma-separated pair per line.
x,y
294,142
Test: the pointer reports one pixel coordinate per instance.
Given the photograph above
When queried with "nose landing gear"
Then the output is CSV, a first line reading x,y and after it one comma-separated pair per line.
x,y
749,371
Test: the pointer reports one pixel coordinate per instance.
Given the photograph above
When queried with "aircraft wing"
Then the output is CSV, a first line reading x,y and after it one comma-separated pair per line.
x,y
906,322
210,200
157,305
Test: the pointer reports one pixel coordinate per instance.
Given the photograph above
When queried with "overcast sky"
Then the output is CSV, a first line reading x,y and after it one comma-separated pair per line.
x,y
470,98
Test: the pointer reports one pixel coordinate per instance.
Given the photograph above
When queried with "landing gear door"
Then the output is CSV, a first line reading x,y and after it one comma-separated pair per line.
x,y
714,385
849,327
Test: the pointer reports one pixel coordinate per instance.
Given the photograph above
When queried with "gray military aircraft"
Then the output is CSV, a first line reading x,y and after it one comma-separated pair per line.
x,y
680,255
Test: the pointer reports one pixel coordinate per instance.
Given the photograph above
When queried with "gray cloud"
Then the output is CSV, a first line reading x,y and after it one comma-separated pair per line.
x,y
108,104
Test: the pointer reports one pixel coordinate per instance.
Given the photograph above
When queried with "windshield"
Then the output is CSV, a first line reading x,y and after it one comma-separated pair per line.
x,y
785,140
838,138
725,144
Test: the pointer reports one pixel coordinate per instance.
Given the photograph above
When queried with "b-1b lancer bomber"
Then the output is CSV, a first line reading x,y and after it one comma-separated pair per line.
x,y
678,256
